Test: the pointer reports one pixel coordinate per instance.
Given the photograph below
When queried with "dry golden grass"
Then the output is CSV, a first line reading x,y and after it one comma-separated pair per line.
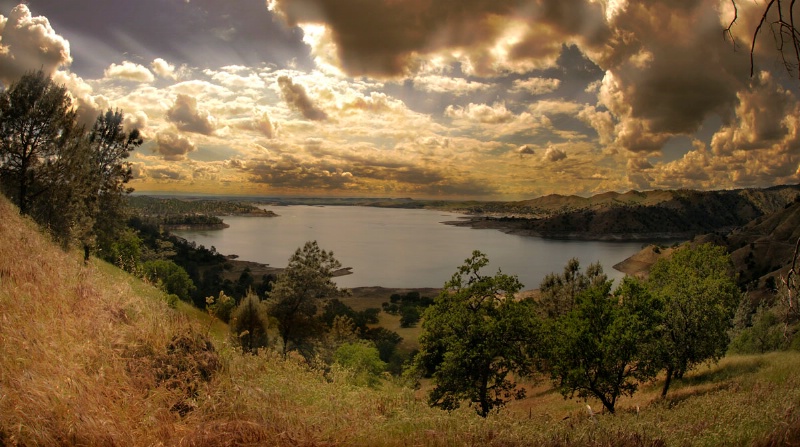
x,y
91,356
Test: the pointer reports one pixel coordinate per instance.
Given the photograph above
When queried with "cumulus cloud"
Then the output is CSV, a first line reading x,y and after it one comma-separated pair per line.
x,y
129,71
526,149
29,43
763,117
482,113
296,97
536,86
136,120
172,146
263,125
186,116
448,84
89,105
553,154
165,173
164,69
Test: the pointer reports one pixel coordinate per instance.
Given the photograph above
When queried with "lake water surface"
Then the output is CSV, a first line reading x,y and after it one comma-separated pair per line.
x,y
401,247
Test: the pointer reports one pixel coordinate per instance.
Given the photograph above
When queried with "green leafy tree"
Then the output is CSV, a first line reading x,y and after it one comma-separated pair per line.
x,y
700,297
171,277
558,292
37,122
473,339
298,293
109,147
598,349
249,323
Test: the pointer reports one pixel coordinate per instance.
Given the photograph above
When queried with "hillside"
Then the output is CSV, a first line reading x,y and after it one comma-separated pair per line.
x,y
89,355
761,250
680,214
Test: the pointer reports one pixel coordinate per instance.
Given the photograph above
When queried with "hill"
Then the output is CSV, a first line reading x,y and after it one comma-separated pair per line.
x,y
761,250
651,215
90,355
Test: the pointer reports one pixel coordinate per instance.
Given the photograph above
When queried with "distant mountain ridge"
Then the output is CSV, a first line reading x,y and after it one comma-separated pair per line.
x,y
635,215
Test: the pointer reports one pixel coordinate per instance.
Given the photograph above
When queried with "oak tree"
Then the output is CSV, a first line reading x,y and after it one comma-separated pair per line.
x,y
473,340
699,296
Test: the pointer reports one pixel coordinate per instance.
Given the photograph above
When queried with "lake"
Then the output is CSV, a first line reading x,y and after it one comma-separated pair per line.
x,y
401,247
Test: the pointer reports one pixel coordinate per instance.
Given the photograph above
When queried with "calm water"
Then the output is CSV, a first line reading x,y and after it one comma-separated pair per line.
x,y
400,247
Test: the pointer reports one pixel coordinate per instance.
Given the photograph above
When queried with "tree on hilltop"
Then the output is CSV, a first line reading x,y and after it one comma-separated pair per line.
x,y
37,122
70,181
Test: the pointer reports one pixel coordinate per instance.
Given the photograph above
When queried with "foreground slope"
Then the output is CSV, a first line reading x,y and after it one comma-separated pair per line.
x,y
91,356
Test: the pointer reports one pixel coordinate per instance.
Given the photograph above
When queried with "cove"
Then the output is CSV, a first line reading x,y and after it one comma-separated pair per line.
x,y
391,247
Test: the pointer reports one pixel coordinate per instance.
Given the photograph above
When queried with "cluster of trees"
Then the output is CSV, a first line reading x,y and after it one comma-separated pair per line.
x,y
304,312
409,306
591,341
68,178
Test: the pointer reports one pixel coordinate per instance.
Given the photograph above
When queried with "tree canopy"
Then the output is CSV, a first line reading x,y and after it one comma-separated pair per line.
x,y
473,339
298,292
699,297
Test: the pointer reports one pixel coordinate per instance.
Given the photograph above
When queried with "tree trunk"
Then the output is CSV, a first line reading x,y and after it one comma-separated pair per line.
x,y
483,396
667,381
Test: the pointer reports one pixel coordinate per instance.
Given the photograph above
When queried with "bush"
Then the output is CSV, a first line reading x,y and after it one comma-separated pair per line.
x,y
249,323
363,360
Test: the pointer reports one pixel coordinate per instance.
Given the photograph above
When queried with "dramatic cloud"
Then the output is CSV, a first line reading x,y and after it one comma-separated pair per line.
x,y
130,72
29,43
173,147
186,116
485,34
296,97
496,99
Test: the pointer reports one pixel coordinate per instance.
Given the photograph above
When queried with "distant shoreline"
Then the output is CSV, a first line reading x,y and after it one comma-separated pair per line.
x,y
512,227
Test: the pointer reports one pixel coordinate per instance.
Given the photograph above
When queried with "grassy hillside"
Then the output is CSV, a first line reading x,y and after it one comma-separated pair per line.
x,y
91,356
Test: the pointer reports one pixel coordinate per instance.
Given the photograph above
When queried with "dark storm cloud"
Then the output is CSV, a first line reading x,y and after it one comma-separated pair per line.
x,y
296,97
395,31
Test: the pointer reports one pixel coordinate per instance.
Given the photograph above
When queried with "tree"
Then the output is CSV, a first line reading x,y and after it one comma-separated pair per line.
x,y
473,339
778,15
249,323
110,145
598,349
558,292
699,297
171,277
298,292
36,122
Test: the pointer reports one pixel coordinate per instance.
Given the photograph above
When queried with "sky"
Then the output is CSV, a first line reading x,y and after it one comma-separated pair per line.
x,y
453,99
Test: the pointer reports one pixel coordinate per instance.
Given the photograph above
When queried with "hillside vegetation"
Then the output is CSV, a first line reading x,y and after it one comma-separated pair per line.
x,y
89,355
677,214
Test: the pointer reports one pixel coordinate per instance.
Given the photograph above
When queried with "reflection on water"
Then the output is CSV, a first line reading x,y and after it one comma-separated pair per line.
x,y
400,247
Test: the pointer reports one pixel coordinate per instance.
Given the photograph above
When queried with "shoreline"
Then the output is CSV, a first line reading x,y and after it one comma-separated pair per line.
x,y
488,223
